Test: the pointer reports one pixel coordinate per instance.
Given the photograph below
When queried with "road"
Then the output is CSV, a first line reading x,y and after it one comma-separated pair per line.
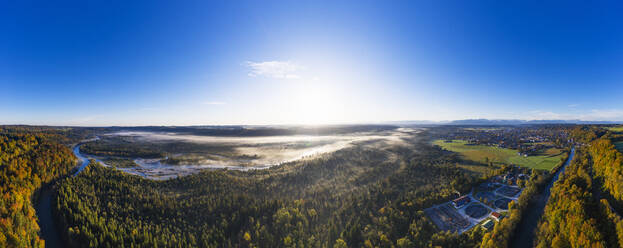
x,y
524,235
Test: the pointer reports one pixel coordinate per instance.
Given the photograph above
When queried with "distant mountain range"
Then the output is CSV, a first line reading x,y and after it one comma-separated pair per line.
x,y
487,122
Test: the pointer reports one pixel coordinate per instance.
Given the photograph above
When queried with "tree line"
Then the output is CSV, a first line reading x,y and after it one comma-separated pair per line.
x,y
29,157
584,210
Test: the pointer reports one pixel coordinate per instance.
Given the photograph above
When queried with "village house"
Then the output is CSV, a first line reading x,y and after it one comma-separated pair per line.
x,y
461,201
488,225
497,216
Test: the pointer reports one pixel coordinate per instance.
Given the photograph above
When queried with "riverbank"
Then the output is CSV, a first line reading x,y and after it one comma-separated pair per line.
x,y
525,232
84,161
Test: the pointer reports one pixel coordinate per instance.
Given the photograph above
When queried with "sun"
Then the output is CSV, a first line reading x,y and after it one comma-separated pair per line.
x,y
315,104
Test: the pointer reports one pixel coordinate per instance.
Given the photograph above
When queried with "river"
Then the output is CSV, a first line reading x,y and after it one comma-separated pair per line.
x,y
85,160
526,230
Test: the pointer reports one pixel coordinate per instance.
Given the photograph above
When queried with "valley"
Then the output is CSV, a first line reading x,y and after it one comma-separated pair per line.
x,y
164,155
401,186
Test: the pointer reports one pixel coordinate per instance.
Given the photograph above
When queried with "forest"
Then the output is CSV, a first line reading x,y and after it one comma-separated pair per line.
x,y
368,195
584,208
362,196
119,148
571,215
29,158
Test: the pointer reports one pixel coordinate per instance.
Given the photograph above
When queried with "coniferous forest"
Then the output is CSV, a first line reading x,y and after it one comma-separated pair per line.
x,y
372,194
352,198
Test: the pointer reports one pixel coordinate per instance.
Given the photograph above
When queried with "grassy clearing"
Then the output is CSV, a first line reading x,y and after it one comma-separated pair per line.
x,y
617,129
482,153
551,152
119,162
476,169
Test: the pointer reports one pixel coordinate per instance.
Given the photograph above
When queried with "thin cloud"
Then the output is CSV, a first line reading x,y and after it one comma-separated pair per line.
x,y
573,105
548,115
592,115
274,69
606,114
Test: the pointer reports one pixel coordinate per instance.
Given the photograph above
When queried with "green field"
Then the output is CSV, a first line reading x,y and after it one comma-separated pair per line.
x,y
480,153
617,129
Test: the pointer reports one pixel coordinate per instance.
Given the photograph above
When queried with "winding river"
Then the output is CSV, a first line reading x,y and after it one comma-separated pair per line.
x,y
84,160
526,230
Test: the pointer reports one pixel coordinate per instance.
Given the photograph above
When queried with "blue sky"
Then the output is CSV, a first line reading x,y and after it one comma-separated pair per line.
x,y
261,62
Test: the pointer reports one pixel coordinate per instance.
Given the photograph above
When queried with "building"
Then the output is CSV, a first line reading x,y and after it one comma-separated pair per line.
x,y
497,216
461,201
488,225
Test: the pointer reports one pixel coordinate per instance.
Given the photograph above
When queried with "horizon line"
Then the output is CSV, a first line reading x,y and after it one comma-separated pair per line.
x,y
397,122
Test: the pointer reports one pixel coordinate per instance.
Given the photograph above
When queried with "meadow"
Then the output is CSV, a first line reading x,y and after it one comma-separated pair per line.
x,y
617,129
483,154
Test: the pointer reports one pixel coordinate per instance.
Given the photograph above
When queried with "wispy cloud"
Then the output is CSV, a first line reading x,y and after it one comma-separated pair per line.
x,y
592,115
606,114
214,103
548,115
573,105
274,69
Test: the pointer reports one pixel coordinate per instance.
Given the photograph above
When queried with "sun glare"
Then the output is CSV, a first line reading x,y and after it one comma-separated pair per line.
x,y
315,104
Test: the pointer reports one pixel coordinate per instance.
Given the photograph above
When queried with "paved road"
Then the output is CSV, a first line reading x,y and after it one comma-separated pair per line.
x,y
524,235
